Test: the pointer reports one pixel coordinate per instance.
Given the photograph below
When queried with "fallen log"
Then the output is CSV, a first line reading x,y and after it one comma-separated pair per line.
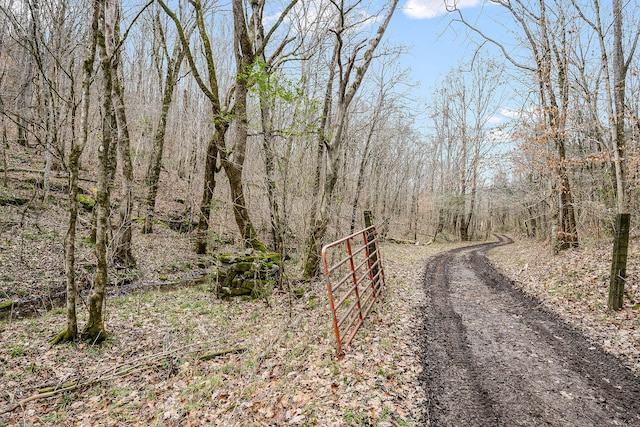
x,y
402,241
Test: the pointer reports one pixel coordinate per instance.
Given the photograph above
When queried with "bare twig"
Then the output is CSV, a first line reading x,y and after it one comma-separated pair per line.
x,y
121,370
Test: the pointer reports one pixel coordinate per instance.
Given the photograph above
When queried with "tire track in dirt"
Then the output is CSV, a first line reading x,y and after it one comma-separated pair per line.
x,y
494,357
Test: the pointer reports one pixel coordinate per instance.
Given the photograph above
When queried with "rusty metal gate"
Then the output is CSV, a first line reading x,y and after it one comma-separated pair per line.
x,y
355,278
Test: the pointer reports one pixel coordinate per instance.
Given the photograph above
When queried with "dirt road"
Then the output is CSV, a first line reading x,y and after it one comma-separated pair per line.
x,y
494,357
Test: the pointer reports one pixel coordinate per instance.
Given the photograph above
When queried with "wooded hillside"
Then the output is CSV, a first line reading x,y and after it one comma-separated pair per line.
x,y
272,126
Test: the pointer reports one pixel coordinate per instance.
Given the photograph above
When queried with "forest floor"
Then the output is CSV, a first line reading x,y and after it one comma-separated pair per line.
x,y
279,365
281,368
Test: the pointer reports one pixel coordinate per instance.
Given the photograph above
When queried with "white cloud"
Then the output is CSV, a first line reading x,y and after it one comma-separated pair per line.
x,y
512,114
425,9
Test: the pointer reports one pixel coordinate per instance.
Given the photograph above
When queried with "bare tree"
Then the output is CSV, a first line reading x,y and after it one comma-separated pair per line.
x,y
545,29
473,100
266,83
18,29
614,71
347,63
174,62
388,78
231,158
220,117
233,162
114,138
46,46
107,24
122,255
77,147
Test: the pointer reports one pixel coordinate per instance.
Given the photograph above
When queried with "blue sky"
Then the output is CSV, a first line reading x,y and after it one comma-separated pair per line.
x,y
433,48
435,44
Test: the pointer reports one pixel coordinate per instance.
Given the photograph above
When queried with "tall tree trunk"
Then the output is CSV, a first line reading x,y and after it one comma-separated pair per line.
x,y
474,189
122,255
155,163
209,185
71,331
23,100
210,90
413,217
621,241
232,160
5,145
364,160
233,163
568,227
556,106
320,225
266,97
233,167
94,329
45,93
462,201
269,168
312,263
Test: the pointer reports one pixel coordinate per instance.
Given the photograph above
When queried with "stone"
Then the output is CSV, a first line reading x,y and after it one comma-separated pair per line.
x,y
252,274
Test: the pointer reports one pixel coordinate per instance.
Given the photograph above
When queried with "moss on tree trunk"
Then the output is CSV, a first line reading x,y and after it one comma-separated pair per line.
x,y
63,337
94,332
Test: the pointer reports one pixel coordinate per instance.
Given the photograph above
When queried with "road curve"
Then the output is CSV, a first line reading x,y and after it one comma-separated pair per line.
x,y
494,357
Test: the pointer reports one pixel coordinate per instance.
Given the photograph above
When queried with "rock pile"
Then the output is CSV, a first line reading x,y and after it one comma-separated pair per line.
x,y
251,274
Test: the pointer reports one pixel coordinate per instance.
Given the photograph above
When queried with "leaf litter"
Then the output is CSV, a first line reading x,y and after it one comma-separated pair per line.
x,y
150,371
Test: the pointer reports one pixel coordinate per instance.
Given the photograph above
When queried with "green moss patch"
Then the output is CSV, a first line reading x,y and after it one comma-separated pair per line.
x,y
252,275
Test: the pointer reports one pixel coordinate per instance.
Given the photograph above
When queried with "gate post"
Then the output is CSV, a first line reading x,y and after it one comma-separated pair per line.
x,y
619,262
371,248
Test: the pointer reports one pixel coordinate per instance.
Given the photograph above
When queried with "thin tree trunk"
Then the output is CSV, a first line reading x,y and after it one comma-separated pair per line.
x,y
77,148
474,187
464,140
71,332
45,90
363,164
621,242
94,329
233,163
269,166
155,163
209,185
23,100
568,233
5,143
122,255
556,114
345,96
323,141
221,123
266,119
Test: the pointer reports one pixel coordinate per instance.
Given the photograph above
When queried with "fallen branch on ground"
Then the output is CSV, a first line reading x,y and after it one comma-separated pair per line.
x,y
222,353
402,241
121,370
